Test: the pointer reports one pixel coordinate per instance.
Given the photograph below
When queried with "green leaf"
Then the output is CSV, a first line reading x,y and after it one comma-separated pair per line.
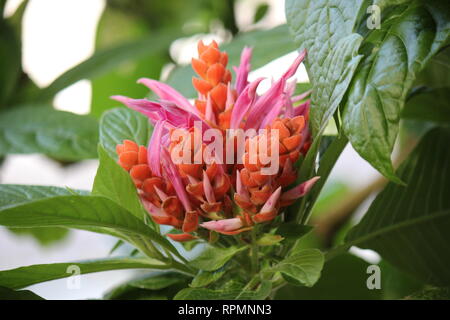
x,y
268,239
107,59
429,105
343,278
42,129
326,30
408,226
91,213
9,294
206,294
114,183
213,258
301,268
394,54
204,278
260,12
121,124
12,195
26,276
267,45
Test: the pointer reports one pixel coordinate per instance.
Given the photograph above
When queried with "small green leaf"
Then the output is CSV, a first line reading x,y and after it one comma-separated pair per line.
x,y
213,258
260,12
112,182
268,239
206,294
303,267
27,276
204,278
121,124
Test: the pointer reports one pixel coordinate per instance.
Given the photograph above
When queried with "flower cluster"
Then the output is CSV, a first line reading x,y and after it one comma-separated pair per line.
x,y
227,197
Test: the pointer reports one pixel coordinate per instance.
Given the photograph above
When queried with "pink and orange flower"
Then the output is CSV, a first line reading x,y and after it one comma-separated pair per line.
x,y
224,198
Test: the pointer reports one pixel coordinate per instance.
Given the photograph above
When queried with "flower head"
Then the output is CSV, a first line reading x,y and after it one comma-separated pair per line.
x,y
203,190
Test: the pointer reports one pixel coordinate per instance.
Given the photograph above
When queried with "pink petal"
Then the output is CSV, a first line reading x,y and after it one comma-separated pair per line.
x,y
240,188
208,189
273,113
174,177
300,190
224,225
243,70
230,97
166,92
271,202
243,103
209,113
146,107
272,96
293,68
302,109
154,149
302,96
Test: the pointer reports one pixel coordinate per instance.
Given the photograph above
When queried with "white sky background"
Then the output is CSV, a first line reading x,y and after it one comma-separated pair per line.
x,y
57,35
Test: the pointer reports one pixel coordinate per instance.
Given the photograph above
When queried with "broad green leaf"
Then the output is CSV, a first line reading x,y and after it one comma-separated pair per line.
x,y
408,226
206,294
91,213
326,29
429,105
394,55
343,278
204,278
12,195
121,124
213,258
9,294
42,129
303,267
26,276
267,45
112,182
154,286
107,59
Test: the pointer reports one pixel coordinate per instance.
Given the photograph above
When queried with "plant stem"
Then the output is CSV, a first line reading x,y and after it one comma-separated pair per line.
x,y
254,253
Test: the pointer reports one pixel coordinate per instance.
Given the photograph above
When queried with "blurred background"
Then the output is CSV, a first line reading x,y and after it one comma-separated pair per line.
x,y
138,38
